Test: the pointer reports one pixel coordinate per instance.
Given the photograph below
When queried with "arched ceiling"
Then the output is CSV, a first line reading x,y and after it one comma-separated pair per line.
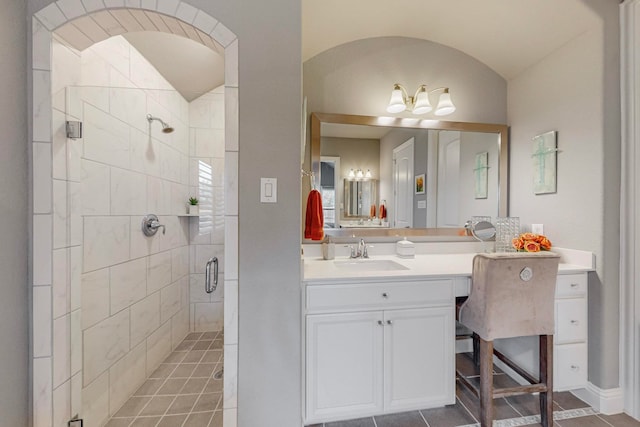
x,y
506,35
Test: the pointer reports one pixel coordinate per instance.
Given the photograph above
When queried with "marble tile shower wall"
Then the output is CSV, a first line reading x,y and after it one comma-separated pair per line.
x,y
207,151
133,290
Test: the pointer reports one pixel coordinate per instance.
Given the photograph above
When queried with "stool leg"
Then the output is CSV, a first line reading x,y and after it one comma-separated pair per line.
x,y
546,377
486,383
476,349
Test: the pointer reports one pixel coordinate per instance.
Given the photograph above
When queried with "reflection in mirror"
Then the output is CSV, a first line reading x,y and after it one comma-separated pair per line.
x,y
360,199
451,172
330,189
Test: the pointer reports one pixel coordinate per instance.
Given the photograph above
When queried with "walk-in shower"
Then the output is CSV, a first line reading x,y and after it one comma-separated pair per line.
x,y
165,126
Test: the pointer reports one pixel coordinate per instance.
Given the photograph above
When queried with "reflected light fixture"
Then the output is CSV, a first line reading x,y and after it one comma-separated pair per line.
x,y
419,103
359,174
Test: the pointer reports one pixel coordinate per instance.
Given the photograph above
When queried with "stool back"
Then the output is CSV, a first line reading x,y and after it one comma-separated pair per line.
x,y
512,295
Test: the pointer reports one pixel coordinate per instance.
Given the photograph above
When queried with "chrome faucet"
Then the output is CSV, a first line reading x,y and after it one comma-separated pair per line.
x,y
360,251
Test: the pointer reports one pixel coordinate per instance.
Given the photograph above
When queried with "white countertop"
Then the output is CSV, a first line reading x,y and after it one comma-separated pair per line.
x,y
318,271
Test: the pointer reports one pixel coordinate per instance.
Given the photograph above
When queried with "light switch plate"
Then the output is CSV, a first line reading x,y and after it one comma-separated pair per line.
x,y
537,228
268,190
422,204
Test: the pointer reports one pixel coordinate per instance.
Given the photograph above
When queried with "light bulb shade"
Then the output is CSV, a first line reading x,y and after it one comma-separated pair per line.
x,y
396,103
359,174
445,105
368,173
352,174
422,105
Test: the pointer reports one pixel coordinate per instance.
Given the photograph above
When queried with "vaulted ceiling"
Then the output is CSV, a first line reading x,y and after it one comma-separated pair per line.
x,y
506,35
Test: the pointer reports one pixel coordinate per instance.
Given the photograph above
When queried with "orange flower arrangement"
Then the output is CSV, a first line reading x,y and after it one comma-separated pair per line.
x,y
531,242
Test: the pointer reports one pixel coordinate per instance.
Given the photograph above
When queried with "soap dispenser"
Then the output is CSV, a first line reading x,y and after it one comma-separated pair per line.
x,y
328,250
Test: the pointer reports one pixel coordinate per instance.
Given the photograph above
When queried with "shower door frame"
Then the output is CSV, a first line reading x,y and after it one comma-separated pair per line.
x,y
43,23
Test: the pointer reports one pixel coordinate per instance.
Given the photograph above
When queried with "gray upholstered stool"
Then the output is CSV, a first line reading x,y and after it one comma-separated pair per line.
x,y
512,295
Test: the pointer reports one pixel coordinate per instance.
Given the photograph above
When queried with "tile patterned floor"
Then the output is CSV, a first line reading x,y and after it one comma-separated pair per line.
x,y
569,411
183,391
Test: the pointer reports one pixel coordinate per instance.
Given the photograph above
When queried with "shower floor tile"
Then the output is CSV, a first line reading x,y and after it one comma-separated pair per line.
x,y
182,391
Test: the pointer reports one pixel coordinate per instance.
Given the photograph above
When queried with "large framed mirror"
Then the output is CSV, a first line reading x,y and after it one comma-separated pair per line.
x,y
430,175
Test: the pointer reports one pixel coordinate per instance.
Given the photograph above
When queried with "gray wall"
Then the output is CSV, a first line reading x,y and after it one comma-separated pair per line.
x,y
14,318
357,78
269,34
575,91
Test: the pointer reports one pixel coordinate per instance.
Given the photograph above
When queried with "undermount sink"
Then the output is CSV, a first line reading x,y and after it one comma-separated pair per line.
x,y
369,265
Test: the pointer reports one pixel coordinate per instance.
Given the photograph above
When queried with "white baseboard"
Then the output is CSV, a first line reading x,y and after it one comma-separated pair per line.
x,y
607,401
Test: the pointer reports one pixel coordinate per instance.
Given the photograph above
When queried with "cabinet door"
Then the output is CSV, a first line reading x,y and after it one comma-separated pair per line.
x,y
419,346
344,365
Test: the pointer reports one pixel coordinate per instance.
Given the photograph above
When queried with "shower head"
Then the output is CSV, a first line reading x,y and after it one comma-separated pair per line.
x,y
165,127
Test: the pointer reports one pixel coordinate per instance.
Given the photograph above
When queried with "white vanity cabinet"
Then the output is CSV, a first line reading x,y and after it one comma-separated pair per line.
x,y
378,347
570,349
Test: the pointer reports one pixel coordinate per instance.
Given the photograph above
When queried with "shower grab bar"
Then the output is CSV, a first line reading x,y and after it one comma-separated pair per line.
x,y
207,275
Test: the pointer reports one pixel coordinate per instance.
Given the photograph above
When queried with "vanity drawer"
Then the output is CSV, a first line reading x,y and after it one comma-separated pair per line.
x,y
346,297
571,285
571,320
570,366
462,286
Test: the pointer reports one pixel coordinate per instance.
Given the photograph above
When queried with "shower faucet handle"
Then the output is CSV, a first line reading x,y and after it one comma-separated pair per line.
x,y
150,225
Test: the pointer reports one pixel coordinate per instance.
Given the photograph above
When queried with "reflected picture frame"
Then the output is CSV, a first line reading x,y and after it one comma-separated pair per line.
x,y
544,163
481,175
420,184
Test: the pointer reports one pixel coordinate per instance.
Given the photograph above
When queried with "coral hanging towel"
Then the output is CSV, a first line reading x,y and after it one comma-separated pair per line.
x,y
314,224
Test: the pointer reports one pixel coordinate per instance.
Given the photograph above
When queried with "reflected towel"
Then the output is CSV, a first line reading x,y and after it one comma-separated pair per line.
x,y
314,224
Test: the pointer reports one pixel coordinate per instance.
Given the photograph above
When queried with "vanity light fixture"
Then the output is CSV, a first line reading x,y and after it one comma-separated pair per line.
x,y
419,103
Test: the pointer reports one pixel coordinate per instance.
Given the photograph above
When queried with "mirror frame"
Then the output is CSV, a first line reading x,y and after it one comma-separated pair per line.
x,y
317,119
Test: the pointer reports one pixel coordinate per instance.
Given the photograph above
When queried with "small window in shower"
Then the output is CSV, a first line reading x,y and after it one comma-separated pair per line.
x,y
205,192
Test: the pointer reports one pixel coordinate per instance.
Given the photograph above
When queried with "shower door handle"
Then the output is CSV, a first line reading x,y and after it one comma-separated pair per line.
x,y
207,275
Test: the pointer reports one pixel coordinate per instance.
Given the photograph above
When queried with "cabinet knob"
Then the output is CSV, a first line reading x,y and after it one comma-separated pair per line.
x,y
389,322
575,322
385,295
575,368
574,285
380,322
